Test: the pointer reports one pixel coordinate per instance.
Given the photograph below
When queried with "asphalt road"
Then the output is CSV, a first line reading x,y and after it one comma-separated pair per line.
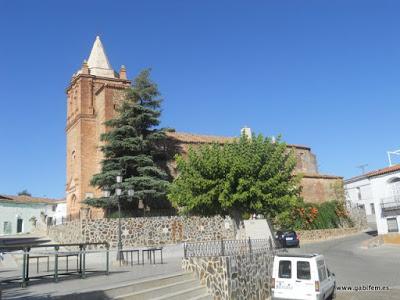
x,y
357,267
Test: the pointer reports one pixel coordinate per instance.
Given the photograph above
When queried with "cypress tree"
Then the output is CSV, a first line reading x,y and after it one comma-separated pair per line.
x,y
133,148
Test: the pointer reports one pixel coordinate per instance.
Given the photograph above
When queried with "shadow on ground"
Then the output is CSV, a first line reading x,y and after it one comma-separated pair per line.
x,y
372,232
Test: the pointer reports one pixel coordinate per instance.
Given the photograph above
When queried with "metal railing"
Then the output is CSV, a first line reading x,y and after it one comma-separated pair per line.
x,y
392,202
227,247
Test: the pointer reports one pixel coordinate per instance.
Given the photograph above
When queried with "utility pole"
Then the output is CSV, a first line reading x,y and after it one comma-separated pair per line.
x,y
362,167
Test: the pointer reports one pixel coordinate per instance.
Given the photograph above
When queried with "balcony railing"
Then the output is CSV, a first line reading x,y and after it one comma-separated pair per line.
x,y
390,205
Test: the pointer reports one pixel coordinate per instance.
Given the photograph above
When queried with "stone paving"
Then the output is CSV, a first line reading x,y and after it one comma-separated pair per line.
x,y
119,276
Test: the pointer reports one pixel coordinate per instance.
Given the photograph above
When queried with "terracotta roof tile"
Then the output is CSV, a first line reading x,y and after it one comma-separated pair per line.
x,y
29,199
383,171
321,176
208,139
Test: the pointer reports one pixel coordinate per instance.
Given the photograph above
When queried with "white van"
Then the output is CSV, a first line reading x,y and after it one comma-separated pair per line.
x,y
302,277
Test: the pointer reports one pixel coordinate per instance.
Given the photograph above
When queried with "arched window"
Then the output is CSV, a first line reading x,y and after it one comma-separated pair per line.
x,y
73,199
73,155
394,186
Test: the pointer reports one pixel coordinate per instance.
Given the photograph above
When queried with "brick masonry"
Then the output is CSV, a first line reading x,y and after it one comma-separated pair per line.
x,y
320,188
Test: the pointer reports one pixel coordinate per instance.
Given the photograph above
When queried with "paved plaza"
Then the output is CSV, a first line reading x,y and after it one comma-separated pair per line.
x,y
119,276
353,264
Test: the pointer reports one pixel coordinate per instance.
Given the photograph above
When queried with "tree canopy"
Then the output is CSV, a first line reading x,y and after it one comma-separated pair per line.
x,y
24,193
250,175
132,147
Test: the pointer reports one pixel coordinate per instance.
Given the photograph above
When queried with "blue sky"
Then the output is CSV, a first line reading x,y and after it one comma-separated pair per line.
x,y
321,73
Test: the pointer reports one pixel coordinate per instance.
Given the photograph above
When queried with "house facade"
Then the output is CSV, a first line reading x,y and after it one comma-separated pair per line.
x,y
20,214
379,193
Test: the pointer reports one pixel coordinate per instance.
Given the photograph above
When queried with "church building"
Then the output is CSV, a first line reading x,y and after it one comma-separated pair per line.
x,y
92,96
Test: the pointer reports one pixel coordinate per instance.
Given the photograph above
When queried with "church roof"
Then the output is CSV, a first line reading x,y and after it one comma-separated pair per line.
x,y
98,62
208,139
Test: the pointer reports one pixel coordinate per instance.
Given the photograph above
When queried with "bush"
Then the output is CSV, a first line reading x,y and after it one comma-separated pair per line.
x,y
308,216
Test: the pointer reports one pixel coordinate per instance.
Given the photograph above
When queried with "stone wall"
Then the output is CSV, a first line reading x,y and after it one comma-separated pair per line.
x,y
320,188
326,234
145,231
357,216
244,276
70,232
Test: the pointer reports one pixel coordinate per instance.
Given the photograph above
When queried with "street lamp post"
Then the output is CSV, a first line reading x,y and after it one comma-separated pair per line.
x,y
118,193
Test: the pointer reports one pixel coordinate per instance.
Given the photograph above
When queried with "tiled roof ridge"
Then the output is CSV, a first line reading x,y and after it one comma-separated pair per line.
x,y
318,175
202,138
374,173
383,171
29,199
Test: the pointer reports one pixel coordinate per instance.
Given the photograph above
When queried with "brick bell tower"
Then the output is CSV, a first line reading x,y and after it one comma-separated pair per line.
x,y
92,96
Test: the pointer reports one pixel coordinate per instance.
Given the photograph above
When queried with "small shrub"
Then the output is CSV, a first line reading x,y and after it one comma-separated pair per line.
x,y
306,216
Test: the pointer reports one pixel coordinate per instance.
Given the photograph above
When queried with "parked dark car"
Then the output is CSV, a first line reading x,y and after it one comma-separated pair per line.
x,y
287,238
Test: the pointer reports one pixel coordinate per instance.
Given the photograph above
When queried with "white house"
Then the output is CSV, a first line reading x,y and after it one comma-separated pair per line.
x,y
19,214
379,192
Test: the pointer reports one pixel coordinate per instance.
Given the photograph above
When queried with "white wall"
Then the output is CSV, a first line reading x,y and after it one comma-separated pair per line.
x,y
58,214
10,212
363,185
381,189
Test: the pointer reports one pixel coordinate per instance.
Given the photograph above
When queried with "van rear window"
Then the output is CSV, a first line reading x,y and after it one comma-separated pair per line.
x,y
285,269
303,270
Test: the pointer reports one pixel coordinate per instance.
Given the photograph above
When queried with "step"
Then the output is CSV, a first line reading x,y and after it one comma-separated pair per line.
x,y
190,293
154,282
159,291
203,297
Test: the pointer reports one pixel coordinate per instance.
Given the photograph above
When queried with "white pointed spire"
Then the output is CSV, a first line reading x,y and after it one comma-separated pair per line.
x,y
98,62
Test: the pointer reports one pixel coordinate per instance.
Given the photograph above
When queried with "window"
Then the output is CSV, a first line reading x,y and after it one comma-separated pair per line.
x,y
359,193
73,199
303,270
285,269
321,270
392,225
54,207
394,186
372,208
7,227
20,225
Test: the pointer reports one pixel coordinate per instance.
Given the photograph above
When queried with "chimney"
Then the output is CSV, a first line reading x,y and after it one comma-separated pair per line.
x,y
122,72
85,67
246,131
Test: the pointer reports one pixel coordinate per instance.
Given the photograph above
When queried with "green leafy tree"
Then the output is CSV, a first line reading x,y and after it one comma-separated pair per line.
x,y
133,148
24,193
247,176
